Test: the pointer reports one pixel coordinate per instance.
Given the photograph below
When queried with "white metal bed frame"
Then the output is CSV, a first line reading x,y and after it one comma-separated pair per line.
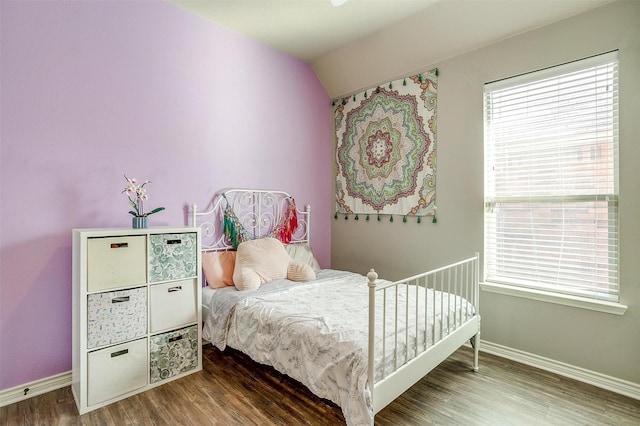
x,y
260,210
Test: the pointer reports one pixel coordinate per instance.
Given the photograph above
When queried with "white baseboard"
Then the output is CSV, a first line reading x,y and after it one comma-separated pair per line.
x,y
623,387
37,387
603,381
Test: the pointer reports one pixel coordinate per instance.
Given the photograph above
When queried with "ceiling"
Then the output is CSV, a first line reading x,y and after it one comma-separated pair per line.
x,y
305,29
363,43
310,29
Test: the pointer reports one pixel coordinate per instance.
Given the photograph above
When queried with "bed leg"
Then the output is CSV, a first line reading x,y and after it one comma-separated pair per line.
x,y
475,343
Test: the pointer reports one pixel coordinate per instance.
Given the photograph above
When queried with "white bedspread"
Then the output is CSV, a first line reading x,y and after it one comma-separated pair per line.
x,y
317,332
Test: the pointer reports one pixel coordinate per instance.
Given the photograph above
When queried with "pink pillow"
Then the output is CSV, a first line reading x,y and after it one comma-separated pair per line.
x,y
218,268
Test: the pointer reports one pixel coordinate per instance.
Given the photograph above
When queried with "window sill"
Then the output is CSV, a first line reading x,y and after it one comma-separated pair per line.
x,y
560,299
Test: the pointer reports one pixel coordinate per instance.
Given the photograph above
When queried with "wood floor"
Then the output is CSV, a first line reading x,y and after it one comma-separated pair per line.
x,y
233,390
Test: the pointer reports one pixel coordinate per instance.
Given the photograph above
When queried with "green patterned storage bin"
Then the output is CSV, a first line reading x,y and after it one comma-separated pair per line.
x,y
172,256
174,353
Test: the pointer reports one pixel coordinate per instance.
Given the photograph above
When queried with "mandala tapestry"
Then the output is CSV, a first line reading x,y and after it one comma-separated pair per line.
x,y
386,149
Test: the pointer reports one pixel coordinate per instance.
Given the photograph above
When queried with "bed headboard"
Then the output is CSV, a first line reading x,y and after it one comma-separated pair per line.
x,y
258,211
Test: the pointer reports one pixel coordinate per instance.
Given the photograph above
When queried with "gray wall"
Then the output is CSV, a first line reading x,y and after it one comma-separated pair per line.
x,y
599,342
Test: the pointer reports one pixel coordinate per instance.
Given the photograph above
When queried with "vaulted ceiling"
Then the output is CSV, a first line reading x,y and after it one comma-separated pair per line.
x,y
315,31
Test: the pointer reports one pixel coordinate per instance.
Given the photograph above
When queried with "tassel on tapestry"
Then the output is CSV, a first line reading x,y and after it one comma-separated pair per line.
x,y
404,218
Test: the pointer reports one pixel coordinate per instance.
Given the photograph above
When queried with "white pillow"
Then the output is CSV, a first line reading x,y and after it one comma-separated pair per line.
x,y
258,262
302,253
263,260
300,272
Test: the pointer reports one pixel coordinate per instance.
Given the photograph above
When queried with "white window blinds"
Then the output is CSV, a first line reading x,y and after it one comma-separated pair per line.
x,y
551,179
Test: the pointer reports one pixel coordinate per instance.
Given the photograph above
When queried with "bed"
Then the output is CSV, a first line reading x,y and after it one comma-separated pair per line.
x,y
355,340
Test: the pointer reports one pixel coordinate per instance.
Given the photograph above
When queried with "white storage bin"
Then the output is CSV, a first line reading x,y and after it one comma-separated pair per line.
x,y
116,262
172,304
116,316
116,370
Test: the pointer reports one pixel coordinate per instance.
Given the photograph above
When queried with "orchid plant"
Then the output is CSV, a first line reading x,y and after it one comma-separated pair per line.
x,y
137,194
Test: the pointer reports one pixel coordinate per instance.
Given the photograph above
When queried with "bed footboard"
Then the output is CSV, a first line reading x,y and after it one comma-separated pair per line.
x,y
418,322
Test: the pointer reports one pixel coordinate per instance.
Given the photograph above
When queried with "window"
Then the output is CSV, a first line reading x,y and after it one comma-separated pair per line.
x,y
551,179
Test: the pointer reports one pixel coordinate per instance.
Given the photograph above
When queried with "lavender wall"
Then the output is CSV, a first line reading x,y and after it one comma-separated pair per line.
x,y
94,90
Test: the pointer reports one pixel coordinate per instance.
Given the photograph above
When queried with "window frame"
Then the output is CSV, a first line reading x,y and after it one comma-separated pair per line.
x,y
556,295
